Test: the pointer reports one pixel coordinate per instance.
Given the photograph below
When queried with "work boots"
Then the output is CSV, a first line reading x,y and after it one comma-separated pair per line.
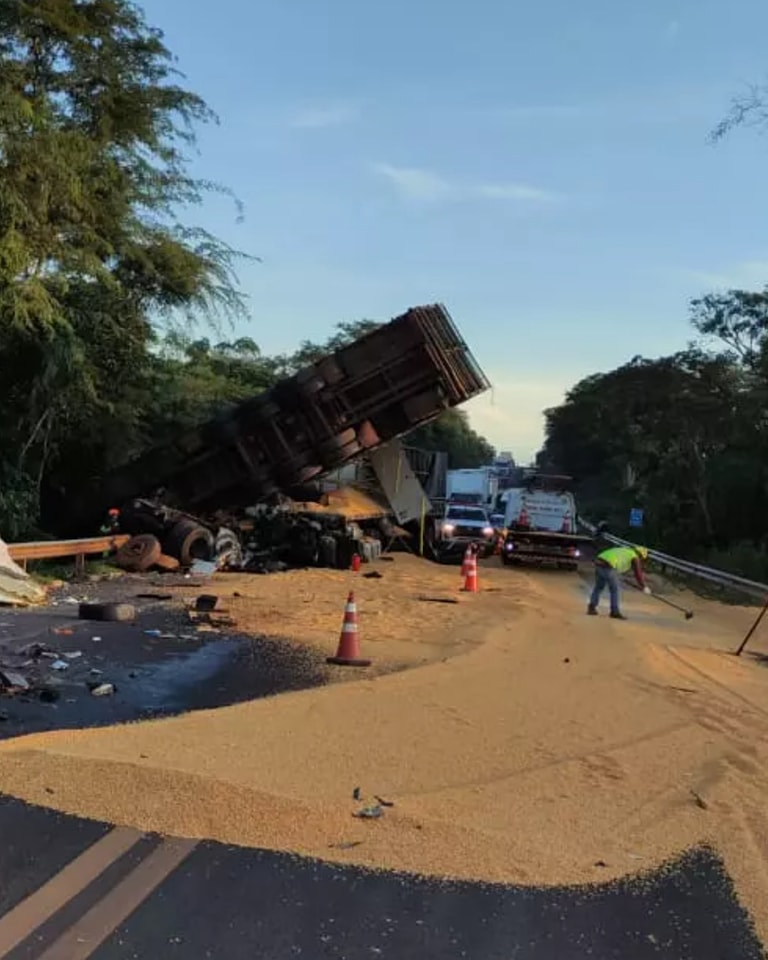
x,y
617,615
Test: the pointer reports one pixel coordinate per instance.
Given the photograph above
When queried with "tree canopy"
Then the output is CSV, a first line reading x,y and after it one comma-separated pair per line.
x,y
685,437
103,281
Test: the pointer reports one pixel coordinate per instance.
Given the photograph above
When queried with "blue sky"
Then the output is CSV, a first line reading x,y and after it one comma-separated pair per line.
x,y
542,169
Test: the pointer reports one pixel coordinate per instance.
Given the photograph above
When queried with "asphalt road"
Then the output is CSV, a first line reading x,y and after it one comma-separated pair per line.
x,y
73,890
159,665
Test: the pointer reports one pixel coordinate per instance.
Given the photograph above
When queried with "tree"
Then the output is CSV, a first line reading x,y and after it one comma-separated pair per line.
x,y
93,132
453,433
739,318
652,433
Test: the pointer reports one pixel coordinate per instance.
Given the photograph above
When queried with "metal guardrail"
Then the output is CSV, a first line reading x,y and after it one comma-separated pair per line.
x,y
59,549
721,577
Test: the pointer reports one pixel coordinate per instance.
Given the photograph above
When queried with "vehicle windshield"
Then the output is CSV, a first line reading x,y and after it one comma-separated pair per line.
x,y
466,513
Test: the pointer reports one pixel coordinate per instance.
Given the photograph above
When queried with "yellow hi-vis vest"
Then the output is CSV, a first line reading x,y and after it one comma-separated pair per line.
x,y
620,558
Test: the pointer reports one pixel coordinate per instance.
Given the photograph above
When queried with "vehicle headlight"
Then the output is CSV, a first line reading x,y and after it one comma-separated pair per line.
x,y
487,531
448,528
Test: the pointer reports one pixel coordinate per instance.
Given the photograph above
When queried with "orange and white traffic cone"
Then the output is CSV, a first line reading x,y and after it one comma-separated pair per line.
x,y
348,653
470,581
465,562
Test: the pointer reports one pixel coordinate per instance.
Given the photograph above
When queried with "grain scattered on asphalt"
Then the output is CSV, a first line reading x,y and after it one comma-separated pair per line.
x,y
529,744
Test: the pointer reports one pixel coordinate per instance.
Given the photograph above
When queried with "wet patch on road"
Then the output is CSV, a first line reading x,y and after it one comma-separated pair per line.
x,y
160,665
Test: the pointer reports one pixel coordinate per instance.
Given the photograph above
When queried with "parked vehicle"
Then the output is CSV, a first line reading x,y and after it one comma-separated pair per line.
x,y
478,485
541,523
463,524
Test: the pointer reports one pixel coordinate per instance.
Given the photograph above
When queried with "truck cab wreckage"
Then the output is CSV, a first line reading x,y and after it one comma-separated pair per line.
x,y
243,489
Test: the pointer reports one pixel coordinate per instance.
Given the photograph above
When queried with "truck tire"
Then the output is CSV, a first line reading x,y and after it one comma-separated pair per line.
x,y
139,554
188,541
107,612
229,550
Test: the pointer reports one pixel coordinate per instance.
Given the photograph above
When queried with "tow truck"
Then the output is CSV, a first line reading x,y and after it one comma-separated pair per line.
x,y
541,523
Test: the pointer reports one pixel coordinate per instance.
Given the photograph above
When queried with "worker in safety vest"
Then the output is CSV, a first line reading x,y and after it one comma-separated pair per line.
x,y
609,565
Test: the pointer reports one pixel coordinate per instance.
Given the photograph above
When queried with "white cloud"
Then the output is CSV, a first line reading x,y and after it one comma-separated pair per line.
x,y
414,183
426,185
327,115
511,191
746,275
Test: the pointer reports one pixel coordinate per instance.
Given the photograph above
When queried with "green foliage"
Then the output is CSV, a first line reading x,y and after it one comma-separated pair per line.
x,y
453,433
93,130
95,127
685,437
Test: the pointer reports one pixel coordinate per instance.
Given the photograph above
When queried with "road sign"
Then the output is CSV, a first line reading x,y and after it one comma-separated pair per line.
x,y
636,517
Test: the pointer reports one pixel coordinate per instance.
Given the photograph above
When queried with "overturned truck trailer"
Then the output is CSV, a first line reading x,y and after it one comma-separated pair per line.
x,y
401,375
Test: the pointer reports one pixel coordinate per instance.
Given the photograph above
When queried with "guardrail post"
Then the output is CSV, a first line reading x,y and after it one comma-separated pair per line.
x,y
80,565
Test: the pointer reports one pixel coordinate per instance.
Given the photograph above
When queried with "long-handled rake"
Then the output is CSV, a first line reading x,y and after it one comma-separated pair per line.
x,y
671,603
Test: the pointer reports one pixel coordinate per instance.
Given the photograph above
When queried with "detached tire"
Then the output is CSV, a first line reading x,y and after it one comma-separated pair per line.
x,y
107,612
139,554
188,541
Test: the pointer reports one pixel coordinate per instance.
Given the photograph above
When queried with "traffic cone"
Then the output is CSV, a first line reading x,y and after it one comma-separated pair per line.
x,y
348,653
465,562
356,561
470,581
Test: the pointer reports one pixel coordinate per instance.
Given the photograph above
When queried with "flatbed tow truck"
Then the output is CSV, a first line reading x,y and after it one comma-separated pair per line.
x,y
541,523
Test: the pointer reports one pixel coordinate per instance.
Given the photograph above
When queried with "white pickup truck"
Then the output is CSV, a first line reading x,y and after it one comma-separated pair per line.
x,y
462,524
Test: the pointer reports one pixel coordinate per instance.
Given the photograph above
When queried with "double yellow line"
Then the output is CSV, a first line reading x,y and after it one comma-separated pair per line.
x,y
86,934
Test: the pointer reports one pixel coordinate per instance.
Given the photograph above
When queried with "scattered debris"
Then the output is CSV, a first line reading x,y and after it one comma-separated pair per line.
x,y
59,665
139,554
152,633
63,631
699,800
154,596
384,803
373,575
600,863
96,639
369,813
73,654
113,612
345,845
48,695
356,793
206,602
102,689
12,680
439,600
203,568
